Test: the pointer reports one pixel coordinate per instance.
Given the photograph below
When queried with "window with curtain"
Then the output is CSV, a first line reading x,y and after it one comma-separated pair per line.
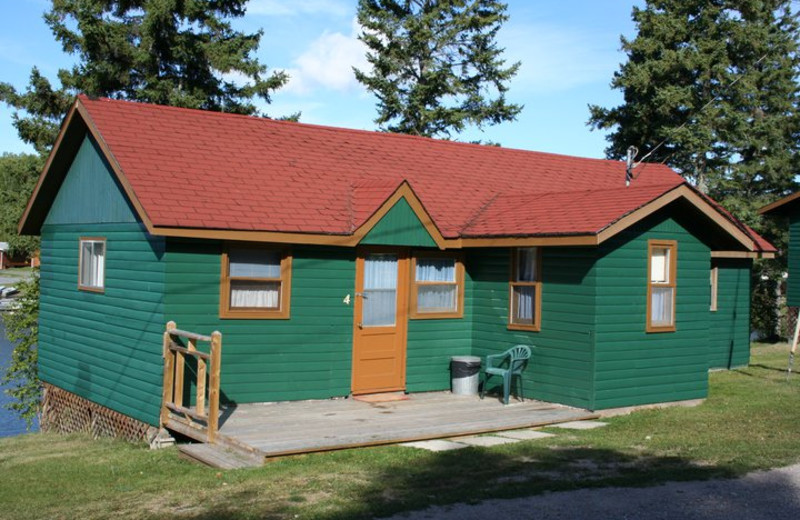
x,y
661,285
255,283
525,289
438,285
92,264
379,307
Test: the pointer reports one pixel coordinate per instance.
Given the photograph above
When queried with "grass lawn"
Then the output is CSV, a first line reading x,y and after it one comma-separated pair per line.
x,y
750,421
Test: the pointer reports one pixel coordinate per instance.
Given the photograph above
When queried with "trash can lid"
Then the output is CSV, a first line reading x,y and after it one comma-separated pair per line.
x,y
466,359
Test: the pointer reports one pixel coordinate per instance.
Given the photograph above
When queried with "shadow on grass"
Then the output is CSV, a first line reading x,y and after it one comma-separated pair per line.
x,y
470,476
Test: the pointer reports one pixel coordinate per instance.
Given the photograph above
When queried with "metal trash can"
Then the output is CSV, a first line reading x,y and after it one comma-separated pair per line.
x,y
464,374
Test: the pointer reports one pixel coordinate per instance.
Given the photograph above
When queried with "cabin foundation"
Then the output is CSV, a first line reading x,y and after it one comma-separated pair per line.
x,y
65,412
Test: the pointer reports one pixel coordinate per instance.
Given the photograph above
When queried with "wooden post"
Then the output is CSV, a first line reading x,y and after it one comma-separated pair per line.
x,y
213,386
200,402
169,372
180,365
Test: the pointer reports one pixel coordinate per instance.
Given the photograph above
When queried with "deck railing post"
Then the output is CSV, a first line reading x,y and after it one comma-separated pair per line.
x,y
169,372
213,385
200,402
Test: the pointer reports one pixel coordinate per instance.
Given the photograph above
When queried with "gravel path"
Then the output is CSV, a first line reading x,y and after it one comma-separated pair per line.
x,y
767,495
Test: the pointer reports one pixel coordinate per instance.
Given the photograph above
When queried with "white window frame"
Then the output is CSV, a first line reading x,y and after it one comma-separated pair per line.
x,y
83,285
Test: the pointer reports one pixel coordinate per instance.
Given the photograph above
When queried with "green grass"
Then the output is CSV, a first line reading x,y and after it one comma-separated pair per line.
x,y
750,421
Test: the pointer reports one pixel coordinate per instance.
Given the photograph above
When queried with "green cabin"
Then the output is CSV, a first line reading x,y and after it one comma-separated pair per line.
x,y
788,208
337,262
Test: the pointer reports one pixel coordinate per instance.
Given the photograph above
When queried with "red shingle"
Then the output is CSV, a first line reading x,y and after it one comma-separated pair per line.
x,y
249,173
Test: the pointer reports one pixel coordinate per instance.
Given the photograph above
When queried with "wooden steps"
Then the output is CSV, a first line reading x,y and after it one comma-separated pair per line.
x,y
218,456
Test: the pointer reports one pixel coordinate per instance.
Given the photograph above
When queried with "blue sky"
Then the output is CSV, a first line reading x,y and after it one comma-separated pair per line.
x,y
568,49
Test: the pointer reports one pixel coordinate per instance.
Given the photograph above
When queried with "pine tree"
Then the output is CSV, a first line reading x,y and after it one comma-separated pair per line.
x,y
711,89
716,81
18,175
436,66
169,52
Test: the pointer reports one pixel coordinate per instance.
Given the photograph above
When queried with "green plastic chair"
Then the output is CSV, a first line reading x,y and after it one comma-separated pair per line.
x,y
517,358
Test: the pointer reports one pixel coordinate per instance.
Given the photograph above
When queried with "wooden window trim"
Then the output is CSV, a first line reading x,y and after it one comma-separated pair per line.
x,y
89,288
672,245
414,312
714,288
285,280
536,326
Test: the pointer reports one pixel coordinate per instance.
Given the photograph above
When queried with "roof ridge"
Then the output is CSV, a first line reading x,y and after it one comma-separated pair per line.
x,y
338,129
595,190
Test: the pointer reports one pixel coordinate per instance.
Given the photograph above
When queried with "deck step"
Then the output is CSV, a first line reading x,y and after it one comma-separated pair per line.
x,y
221,457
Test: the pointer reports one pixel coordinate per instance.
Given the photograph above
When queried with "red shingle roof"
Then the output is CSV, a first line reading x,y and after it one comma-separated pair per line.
x,y
194,169
247,173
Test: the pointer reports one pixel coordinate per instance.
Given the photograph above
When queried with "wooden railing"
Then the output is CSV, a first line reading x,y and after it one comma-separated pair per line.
x,y
201,421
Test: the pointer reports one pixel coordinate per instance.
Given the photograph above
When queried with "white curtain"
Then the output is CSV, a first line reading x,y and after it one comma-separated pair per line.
x,y
436,297
526,264
522,304
661,306
260,295
436,270
254,263
93,260
380,291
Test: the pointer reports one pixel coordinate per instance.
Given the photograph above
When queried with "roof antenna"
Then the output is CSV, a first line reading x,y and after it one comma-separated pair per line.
x,y
629,166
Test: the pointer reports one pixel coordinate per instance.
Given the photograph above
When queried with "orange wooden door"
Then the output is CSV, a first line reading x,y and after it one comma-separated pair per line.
x,y
379,335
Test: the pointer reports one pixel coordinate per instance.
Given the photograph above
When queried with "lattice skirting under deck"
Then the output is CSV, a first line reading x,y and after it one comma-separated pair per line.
x,y
65,412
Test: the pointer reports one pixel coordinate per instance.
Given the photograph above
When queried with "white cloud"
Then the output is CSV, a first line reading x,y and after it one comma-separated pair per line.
x,y
328,63
296,7
558,58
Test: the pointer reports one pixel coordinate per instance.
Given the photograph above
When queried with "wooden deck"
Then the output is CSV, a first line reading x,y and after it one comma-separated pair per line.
x,y
275,429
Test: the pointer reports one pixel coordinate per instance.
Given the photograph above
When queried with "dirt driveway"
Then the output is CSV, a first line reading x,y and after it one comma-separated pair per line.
x,y
767,495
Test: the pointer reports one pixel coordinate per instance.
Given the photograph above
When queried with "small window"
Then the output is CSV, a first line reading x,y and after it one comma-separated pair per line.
x,y
525,305
714,281
438,286
255,283
92,264
661,285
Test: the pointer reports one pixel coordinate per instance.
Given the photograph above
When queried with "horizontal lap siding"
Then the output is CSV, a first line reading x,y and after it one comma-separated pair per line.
x,y
431,344
104,347
305,357
632,366
560,368
730,324
793,261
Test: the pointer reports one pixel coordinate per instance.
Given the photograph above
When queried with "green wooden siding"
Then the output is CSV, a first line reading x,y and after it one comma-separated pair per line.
x,y
631,366
793,261
431,344
560,368
729,341
305,357
104,347
90,193
399,227
592,350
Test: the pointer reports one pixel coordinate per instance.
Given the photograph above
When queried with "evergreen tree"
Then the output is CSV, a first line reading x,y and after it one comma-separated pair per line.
x,y
716,81
436,66
710,88
169,52
18,175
